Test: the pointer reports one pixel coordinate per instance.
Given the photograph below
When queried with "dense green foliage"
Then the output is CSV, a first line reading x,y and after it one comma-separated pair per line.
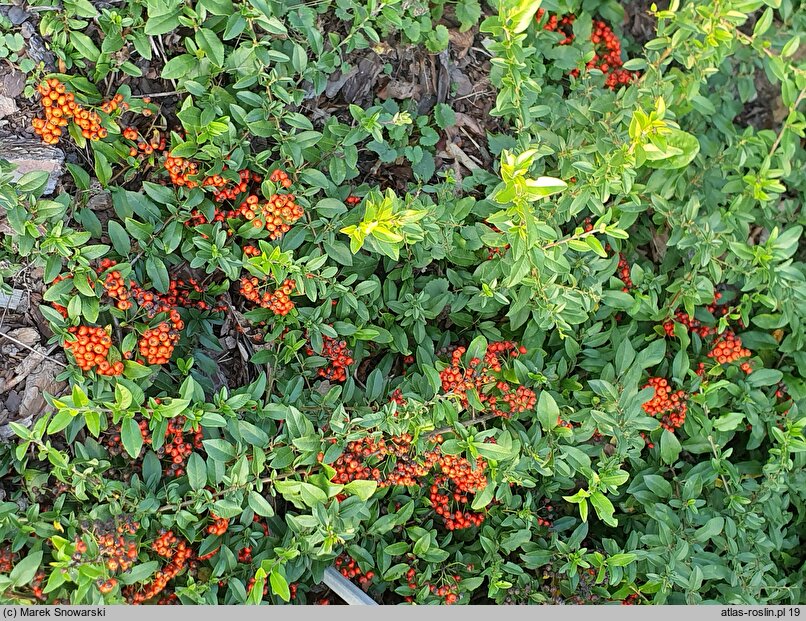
x,y
622,234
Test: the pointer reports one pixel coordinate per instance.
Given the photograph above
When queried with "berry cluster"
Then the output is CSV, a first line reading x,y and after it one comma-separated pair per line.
x,y
694,325
113,104
91,348
352,200
449,591
348,568
280,177
181,170
60,106
278,301
274,216
157,344
607,48
179,293
396,396
624,273
6,560
144,145
631,600
482,375
458,478
180,444
670,406
728,348
112,544
177,553
339,357
224,189
177,447
219,525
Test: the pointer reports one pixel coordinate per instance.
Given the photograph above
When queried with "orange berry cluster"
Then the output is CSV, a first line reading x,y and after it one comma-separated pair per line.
x,y
113,104
482,376
181,170
6,560
60,106
107,586
157,344
670,406
144,146
275,216
449,592
90,349
348,568
607,48
352,464
694,325
112,545
36,586
219,525
339,356
224,189
281,177
397,396
178,447
352,200
178,293
245,555
631,600
458,479
278,301
178,554
728,348
623,272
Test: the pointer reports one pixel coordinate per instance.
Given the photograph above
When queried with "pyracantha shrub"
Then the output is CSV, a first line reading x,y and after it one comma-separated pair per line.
x,y
475,303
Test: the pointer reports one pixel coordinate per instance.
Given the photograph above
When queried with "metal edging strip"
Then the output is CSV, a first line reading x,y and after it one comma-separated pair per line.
x,y
345,589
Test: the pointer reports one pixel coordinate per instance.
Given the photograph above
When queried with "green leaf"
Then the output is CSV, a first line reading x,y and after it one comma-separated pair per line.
x,y
604,508
120,238
158,274
711,529
547,411
84,45
131,437
686,143
24,571
279,585
219,450
212,46
362,489
181,66
197,471
260,505
669,447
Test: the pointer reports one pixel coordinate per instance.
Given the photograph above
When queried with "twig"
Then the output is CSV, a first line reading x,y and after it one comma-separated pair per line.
x,y
464,423
29,348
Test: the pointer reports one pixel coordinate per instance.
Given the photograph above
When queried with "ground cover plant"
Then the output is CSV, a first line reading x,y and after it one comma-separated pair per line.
x,y
476,302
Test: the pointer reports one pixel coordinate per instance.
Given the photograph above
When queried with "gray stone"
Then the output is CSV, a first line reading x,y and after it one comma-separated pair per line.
x,y
31,155
12,83
17,15
7,106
